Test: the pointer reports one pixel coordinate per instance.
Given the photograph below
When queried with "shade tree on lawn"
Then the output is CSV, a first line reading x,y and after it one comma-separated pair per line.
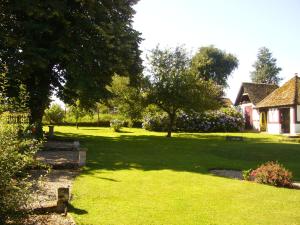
x,y
128,99
70,47
175,87
77,111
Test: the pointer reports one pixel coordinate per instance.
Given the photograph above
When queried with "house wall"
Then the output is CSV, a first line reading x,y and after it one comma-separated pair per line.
x,y
273,125
243,106
295,127
274,128
255,116
292,121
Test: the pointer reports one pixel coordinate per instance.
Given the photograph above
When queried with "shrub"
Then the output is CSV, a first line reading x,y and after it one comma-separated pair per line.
x,y
247,174
55,114
157,122
272,173
17,150
116,125
223,120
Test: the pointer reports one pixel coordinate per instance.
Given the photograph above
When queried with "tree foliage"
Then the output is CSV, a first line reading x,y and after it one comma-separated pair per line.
x,y
54,114
77,110
211,63
17,103
128,99
17,154
175,87
265,69
70,46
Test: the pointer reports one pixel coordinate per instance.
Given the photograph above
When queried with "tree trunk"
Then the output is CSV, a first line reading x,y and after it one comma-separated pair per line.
x,y
171,123
98,121
38,88
35,119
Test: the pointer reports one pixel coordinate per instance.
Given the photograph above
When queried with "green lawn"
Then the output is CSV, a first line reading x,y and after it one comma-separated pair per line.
x,y
143,178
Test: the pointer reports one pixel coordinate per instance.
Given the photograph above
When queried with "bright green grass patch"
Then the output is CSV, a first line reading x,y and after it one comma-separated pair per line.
x,y
138,177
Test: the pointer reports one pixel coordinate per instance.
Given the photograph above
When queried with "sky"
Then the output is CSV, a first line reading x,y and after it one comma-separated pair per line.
x,y
239,27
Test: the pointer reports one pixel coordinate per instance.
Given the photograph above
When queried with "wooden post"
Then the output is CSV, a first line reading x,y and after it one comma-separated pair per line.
x,y
63,196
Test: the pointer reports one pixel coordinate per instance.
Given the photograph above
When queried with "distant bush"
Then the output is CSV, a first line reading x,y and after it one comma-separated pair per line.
x,y
17,150
55,114
272,173
247,174
223,120
116,124
155,122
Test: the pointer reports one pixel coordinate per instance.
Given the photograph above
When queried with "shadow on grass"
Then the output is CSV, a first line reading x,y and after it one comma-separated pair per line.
x,y
75,210
186,152
124,132
109,179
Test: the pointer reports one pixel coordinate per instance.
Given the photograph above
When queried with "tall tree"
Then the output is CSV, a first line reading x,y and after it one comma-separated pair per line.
x,y
77,111
265,68
72,47
211,63
175,87
127,99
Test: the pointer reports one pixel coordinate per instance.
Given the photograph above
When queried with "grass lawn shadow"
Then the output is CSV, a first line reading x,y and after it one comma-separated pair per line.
x,y
145,178
184,152
75,210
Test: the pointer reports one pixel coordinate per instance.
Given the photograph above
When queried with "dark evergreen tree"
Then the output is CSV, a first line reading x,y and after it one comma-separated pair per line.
x,y
265,68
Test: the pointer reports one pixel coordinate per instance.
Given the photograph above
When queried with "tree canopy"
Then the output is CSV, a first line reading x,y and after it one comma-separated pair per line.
x,y
175,87
127,99
211,63
69,47
265,68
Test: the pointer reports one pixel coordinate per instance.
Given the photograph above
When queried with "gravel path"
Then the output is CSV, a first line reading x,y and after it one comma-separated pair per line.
x,y
45,195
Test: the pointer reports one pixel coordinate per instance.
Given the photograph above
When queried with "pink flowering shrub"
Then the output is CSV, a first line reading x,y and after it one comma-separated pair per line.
x,y
272,173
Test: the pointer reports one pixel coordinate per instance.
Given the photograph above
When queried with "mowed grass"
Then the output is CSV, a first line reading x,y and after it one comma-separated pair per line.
x,y
138,177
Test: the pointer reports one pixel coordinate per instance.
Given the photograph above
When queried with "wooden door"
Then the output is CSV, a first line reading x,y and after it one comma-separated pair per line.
x,y
248,117
263,121
285,120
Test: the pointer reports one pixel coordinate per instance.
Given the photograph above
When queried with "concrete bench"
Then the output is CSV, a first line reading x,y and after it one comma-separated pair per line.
x,y
234,138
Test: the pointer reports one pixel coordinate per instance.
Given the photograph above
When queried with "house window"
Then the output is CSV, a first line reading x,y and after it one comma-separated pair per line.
x,y
298,113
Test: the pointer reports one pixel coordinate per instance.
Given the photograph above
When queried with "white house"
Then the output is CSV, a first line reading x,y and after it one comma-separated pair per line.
x,y
249,95
281,109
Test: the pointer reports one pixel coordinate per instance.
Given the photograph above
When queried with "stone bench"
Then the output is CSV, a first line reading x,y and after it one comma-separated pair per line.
x,y
63,154
234,138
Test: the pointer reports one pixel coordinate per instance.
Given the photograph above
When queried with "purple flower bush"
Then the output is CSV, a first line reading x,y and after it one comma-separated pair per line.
x,y
223,120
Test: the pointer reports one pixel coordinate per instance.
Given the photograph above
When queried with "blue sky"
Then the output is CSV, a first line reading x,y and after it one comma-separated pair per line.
x,y
236,26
